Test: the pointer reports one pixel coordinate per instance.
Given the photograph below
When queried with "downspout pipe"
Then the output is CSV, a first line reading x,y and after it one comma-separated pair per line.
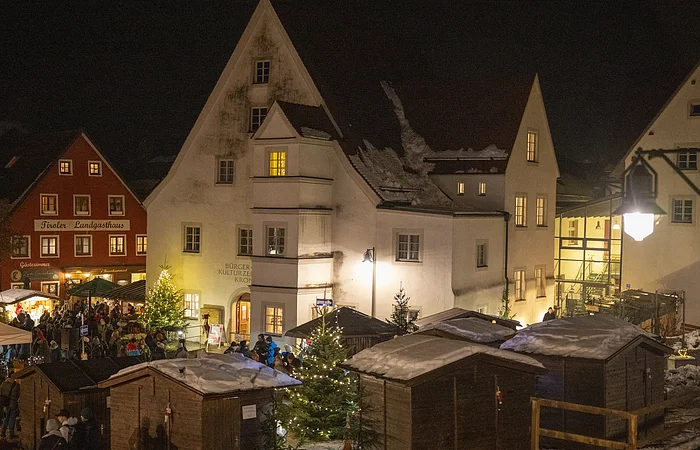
x,y
506,220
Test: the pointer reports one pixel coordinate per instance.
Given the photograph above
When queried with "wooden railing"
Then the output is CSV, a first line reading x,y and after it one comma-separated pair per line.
x,y
632,418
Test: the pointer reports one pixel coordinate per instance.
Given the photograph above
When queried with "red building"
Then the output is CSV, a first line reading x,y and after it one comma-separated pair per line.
x,y
67,214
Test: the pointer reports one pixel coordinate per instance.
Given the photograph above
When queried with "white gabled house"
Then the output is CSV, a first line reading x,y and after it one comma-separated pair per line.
x,y
300,162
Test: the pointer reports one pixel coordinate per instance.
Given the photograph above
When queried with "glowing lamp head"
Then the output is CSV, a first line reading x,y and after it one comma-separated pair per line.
x,y
639,208
639,225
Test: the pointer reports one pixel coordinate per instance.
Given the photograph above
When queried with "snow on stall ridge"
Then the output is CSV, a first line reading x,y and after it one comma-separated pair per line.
x,y
471,328
591,337
490,152
413,355
214,374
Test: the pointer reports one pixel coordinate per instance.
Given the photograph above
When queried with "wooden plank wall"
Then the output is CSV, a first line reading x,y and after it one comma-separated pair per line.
x,y
514,417
373,390
398,417
584,384
34,390
433,414
221,424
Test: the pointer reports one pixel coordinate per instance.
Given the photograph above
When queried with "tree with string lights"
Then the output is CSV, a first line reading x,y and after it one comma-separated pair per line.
x,y
164,303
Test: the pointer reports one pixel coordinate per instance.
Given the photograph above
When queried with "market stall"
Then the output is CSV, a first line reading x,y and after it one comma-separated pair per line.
x,y
130,298
34,303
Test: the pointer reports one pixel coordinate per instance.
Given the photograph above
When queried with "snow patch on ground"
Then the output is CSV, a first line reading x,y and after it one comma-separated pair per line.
x,y
413,355
683,380
212,373
473,329
592,337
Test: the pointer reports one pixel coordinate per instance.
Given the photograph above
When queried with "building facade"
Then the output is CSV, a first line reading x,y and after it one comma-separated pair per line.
x,y
283,187
69,217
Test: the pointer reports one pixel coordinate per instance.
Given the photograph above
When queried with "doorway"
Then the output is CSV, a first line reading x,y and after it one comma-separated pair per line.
x,y
241,313
216,316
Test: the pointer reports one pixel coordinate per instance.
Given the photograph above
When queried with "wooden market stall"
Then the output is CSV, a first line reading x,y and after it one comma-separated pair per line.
x,y
431,392
470,329
360,331
45,389
132,293
460,313
215,402
599,361
31,302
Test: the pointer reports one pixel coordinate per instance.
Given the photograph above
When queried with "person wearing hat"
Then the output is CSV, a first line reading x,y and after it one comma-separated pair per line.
x,y
68,424
87,433
52,439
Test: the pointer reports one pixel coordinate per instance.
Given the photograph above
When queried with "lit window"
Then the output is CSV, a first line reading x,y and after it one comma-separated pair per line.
x,y
245,241
262,72
682,211
117,245
193,239
695,109
81,205
532,146
49,246
541,210
95,168
278,164
116,205
65,167
275,241
141,244
226,171
20,246
49,204
83,245
408,247
482,188
482,254
688,160
520,210
274,320
573,232
460,188
191,305
540,282
519,290
257,115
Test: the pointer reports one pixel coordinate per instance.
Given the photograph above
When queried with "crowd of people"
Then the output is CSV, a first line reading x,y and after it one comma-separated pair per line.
x,y
70,433
267,352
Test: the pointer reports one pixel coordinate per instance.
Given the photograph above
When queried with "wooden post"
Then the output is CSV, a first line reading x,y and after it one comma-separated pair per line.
x,y
632,431
535,427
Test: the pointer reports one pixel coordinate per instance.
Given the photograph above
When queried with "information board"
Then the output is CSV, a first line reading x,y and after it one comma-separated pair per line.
x,y
215,332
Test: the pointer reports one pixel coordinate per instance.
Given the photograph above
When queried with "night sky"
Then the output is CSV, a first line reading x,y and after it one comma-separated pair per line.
x,y
136,74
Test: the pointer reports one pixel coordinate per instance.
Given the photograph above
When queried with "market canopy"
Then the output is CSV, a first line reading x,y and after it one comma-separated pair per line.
x,y
11,335
98,287
353,322
134,292
11,296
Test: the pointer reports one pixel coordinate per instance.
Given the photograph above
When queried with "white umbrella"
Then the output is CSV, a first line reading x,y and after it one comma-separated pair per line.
x,y
10,296
11,335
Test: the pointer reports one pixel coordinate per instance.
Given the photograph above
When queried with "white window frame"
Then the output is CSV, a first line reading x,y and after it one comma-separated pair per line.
x,y
541,212
482,254
541,281
191,313
224,181
460,188
89,205
684,201
41,205
256,114
143,237
520,212
261,77
249,240
687,160
123,236
51,283
532,147
481,189
99,165
272,242
198,244
278,171
410,252
70,167
58,246
572,232
29,246
275,307
109,205
75,245
519,285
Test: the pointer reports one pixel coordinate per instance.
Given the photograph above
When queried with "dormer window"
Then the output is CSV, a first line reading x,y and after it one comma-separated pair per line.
x,y
262,72
257,115
695,109
65,167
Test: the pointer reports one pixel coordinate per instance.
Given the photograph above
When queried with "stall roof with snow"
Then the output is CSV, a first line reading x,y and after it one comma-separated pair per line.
x,y
11,296
469,329
460,313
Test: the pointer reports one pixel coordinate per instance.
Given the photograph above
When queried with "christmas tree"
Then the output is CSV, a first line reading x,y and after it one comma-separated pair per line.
x,y
318,409
164,303
401,316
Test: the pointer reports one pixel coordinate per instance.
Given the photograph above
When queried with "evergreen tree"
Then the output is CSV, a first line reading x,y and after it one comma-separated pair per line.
x,y
317,410
271,438
401,316
164,303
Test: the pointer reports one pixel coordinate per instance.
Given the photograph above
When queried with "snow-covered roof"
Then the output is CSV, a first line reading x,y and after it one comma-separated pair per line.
x,y
473,329
408,357
592,337
215,374
459,313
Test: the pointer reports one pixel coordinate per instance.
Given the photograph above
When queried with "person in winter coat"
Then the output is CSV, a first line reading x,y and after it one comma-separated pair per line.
x,y
52,440
68,424
260,348
87,433
549,315
12,412
182,350
271,347
244,350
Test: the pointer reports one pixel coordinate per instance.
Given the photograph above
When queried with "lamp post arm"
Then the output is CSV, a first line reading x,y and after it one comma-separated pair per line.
x,y
662,154
680,173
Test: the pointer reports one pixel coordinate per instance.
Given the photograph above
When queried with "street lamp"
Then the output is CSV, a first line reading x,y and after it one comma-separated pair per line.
x,y
370,256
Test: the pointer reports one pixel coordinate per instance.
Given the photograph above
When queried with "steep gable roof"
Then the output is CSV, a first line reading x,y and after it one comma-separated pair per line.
x,y
309,121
